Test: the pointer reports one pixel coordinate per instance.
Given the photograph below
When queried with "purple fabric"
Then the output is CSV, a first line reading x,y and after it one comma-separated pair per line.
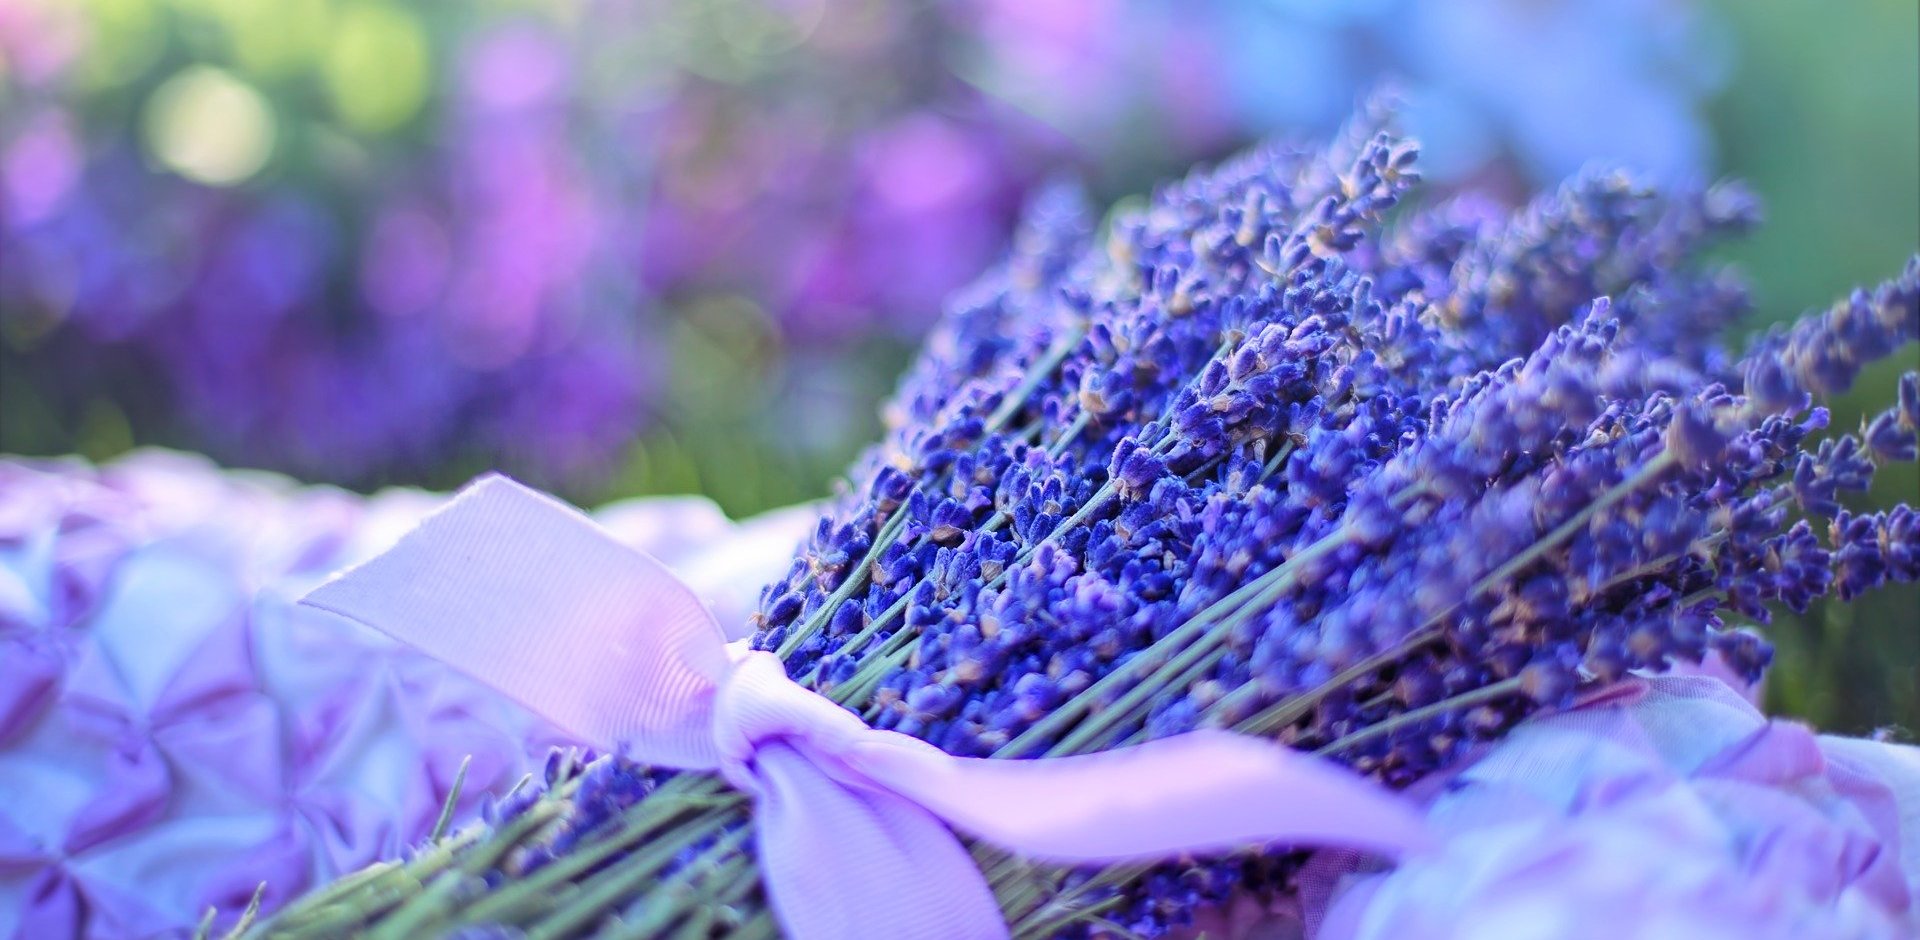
x,y
174,729
29,682
53,907
1669,807
1659,808
529,596
135,796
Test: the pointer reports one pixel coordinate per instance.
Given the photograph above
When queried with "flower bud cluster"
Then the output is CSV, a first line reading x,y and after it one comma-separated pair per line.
x,y
1260,459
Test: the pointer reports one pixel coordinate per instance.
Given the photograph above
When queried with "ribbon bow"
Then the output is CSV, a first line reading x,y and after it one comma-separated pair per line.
x,y
526,594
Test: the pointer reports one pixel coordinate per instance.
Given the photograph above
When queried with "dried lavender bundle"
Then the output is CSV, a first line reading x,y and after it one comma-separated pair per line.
x,y
1261,460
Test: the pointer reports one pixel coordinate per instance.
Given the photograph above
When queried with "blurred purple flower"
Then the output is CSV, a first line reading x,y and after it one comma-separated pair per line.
x,y
492,276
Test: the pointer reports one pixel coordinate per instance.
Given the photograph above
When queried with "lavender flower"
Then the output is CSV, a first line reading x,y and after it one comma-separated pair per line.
x,y
1252,462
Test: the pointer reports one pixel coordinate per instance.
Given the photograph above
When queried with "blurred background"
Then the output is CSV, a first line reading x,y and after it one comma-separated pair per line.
x,y
683,246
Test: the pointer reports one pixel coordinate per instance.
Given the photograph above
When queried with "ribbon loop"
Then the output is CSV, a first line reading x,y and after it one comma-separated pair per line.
x,y
527,595
850,862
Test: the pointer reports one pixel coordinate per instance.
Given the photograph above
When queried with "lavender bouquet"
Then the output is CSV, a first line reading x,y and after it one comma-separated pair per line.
x,y
1271,458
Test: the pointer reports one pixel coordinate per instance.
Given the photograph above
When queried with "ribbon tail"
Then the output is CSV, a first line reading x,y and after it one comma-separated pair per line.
x,y
529,596
1205,791
846,862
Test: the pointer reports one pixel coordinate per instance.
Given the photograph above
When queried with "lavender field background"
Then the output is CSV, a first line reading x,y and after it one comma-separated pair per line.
x,y
668,246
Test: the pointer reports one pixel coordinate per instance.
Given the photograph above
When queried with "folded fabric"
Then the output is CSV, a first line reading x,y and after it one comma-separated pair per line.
x,y
1663,808
174,730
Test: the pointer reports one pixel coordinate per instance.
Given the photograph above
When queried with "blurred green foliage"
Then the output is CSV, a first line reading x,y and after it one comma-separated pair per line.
x,y
1822,117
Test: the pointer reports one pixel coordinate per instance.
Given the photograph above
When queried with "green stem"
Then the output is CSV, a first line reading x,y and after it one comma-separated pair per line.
x,y
1505,688
1647,473
247,916
489,853
1173,651
889,532
361,898
1055,355
1652,566
1273,463
607,888
644,819
1067,906
365,899
423,910
858,693
1079,424
345,886
1193,659
873,668
604,890
1295,707
1186,680
453,798
1097,731
734,879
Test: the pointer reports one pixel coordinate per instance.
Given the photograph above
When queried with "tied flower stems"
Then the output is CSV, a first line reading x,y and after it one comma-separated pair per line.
x,y
1261,461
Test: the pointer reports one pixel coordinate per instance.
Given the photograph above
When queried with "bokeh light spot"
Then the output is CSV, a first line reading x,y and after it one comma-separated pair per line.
x,y
39,170
377,67
209,127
